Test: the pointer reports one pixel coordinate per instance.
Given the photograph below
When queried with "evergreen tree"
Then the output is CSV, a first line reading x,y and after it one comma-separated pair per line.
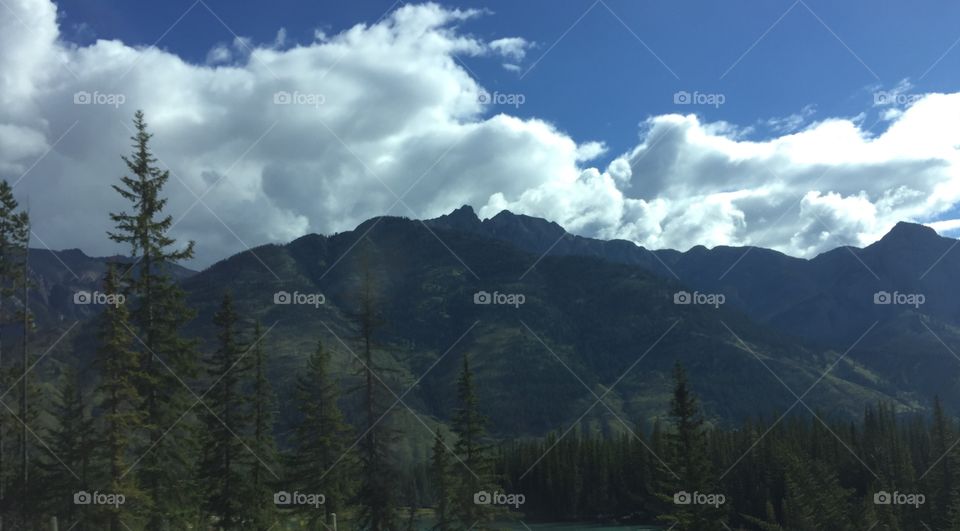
x,y
814,498
943,482
469,425
28,406
72,443
119,400
14,238
262,511
442,483
377,493
224,468
689,461
158,312
318,463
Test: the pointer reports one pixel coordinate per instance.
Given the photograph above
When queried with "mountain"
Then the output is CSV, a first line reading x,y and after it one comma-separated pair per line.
x,y
58,276
824,302
586,328
587,319
827,299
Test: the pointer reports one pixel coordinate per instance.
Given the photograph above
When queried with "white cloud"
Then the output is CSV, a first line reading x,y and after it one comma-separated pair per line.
x,y
514,48
284,138
792,122
281,39
219,54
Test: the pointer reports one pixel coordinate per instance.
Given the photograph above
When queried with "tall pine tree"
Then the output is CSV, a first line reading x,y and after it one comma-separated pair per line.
x,y
261,511
119,401
72,444
14,238
442,483
224,468
158,312
476,470
377,494
689,461
320,463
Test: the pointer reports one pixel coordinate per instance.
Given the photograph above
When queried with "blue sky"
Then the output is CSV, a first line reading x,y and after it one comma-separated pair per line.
x,y
598,82
798,126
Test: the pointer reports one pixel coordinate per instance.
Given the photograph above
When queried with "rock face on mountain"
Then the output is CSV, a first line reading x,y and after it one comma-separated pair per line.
x,y
57,277
828,299
553,321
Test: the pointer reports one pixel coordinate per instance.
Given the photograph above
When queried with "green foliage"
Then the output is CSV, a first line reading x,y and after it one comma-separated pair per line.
x,y
120,403
442,482
474,470
68,468
320,461
377,492
158,313
260,509
224,467
689,472
14,239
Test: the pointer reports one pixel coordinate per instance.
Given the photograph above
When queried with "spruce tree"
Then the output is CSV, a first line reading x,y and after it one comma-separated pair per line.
x,y
475,476
689,462
261,510
442,483
28,408
224,467
377,493
14,238
319,462
118,399
72,444
158,312
943,480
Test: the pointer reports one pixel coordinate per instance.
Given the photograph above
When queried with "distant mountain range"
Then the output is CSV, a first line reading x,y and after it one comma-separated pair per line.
x,y
555,322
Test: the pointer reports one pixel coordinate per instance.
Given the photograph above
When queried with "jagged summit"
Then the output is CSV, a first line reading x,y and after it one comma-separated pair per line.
x,y
910,231
463,218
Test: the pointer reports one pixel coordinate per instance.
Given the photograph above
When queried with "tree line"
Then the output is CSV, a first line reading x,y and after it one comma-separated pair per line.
x,y
170,434
799,472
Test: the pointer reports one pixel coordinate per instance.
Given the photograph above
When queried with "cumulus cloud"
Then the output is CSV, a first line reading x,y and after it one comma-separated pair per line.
x,y
219,54
514,48
831,184
273,140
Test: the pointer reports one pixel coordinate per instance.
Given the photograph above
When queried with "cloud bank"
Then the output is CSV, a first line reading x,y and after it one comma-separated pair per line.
x,y
269,141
